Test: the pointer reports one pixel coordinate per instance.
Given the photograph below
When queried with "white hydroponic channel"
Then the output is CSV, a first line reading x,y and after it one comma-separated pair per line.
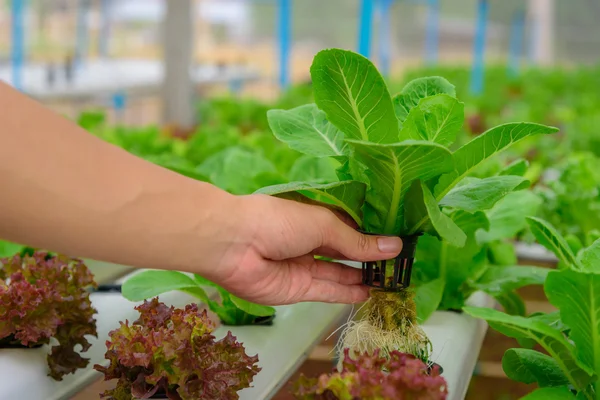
x,y
108,76
282,347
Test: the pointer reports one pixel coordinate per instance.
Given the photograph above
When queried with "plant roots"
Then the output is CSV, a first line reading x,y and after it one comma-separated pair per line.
x,y
389,323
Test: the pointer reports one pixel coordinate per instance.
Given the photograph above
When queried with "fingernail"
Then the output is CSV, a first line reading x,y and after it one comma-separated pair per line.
x,y
389,244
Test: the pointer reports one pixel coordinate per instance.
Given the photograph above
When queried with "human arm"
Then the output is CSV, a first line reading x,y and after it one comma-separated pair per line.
x,y
68,191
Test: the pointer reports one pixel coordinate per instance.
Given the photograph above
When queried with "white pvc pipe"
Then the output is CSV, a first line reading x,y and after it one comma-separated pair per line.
x,y
542,14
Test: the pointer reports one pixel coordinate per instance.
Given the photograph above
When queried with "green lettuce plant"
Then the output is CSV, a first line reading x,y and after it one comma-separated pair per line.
x,y
569,367
8,249
572,200
230,309
445,276
398,174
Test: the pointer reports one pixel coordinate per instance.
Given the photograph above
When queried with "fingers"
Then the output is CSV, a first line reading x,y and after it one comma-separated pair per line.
x,y
345,218
335,272
339,237
331,282
332,292
325,252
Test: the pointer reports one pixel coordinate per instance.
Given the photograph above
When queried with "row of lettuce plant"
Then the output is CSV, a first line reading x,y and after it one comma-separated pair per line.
x,y
560,350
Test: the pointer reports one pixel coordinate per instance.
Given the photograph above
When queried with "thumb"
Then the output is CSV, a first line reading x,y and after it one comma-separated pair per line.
x,y
357,246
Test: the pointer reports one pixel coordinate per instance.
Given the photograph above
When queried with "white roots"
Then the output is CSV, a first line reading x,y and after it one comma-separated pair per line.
x,y
370,333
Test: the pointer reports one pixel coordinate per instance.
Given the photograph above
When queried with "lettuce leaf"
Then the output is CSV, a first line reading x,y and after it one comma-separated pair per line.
x,y
44,296
370,377
172,351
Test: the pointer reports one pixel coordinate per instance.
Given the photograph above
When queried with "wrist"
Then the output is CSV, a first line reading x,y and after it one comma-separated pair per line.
x,y
204,222
233,236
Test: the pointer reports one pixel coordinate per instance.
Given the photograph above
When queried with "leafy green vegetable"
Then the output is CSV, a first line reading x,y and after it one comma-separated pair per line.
x,y
482,194
484,146
502,253
572,198
347,196
148,284
577,296
507,217
547,235
417,89
473,266
513,304
530,366
399,151
44,297
91,120
435,119
8,249
551,393
354,121
231,311
551,340
517,167
443,224
235,169
307,130
252,308
498,279
571,337
428,297
248,115
391,170
354,96
589,258
313,169
164,350
371,377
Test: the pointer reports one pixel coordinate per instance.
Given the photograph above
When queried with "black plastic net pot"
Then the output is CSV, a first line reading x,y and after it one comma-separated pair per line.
x,y
393,274
432,365
252,320
10,342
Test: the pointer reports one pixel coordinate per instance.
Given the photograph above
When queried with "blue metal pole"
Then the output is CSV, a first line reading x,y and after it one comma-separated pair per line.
x,y
18,42
385,36
365,28
81,49
516,42
477,73
104,37
119,100
285,22
432,33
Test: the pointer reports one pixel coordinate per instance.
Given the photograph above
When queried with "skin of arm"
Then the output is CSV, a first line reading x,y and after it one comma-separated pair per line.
x,y
68,191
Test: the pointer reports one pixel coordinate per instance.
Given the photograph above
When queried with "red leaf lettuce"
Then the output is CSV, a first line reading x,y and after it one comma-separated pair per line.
x,y
401,377
43,296
173,352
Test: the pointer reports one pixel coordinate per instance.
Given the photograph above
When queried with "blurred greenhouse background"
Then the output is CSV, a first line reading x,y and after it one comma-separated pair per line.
x,y
48,34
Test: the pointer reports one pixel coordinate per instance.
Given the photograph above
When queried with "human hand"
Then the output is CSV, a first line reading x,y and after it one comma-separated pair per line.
x,y
271,257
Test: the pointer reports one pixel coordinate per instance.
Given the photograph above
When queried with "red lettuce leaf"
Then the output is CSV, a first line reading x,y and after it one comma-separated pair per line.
x,y
44,296
173,352
370,377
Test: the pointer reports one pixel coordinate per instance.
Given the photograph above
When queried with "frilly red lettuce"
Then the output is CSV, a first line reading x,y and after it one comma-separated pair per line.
x,y
172,351
43,296
401,377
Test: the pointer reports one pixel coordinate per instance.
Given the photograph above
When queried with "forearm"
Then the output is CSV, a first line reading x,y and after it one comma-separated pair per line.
x,y
68,191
